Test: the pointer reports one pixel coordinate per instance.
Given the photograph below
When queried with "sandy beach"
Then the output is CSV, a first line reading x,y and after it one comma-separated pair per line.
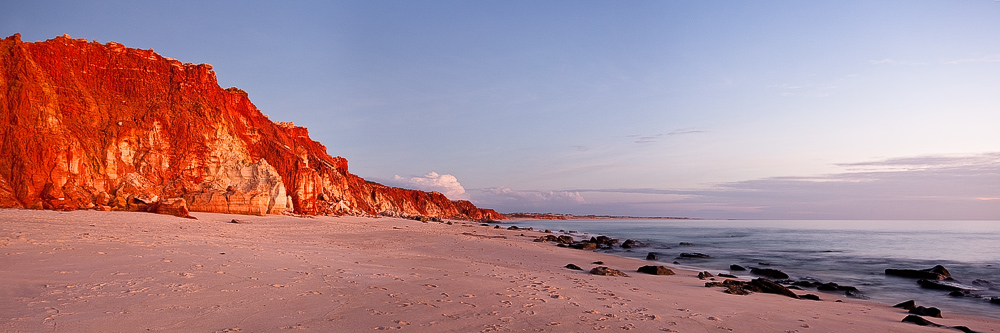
x,y
89,271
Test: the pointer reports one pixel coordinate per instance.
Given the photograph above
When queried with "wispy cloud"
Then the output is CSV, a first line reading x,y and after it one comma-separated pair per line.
x,y
920,187
684,131
989,58
643,139
646,139
893,62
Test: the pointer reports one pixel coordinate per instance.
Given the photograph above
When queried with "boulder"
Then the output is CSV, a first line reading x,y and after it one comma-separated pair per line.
x,y
604,241
574,267
694,255
584,246
652,256
934,273
705,275
735,267
768,272
809,296
602,270
927,312
906,305
768,286
173,206
629,244
761,285
655,270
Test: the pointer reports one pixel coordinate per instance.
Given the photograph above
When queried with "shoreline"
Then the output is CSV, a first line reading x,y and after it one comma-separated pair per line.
x,y
121,271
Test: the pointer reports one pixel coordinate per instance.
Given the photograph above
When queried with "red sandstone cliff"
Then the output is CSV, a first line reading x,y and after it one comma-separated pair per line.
x,y
88,125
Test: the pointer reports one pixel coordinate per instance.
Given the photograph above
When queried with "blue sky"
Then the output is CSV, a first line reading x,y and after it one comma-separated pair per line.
x,y
721,109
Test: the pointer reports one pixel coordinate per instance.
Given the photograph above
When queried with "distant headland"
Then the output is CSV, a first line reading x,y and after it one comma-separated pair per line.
x,y
554,216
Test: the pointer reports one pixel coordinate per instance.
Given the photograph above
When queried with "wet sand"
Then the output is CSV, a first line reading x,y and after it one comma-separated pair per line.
x,y
90,271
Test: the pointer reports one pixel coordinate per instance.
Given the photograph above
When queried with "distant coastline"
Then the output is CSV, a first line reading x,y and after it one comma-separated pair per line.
x,y
554,216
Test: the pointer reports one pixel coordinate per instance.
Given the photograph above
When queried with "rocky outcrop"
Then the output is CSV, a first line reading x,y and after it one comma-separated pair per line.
x,y
85,125
761,285
602,270
655,270
934,273
768,272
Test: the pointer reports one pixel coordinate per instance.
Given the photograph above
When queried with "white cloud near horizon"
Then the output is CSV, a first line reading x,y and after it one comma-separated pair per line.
x,y
432,181
505,199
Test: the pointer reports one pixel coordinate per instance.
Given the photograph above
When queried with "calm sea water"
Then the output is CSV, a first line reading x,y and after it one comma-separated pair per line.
x,y
854,253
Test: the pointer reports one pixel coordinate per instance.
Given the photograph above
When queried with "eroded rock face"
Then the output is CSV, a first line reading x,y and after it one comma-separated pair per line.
x,y
85,125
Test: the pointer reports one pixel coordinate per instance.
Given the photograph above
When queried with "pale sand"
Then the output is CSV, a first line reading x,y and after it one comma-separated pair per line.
x,y
91,271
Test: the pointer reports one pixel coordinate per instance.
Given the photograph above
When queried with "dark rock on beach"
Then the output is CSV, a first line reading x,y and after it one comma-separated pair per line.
x,y
735,267
906,305
601,270
598,263
734,287
809,296
655,270
934,273
768,286
761,285
604,241
705,275
652,256
927,312
924,322
557,239
584,246
572,266
727,276
768,272
919,321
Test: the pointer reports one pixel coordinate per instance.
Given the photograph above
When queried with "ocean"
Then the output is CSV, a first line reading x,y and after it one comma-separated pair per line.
x,y
853,253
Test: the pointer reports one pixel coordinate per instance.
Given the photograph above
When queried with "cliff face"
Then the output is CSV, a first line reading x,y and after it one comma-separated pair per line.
x,y
101,126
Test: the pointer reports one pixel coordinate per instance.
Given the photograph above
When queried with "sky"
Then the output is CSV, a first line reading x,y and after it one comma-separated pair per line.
x,y
705,109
